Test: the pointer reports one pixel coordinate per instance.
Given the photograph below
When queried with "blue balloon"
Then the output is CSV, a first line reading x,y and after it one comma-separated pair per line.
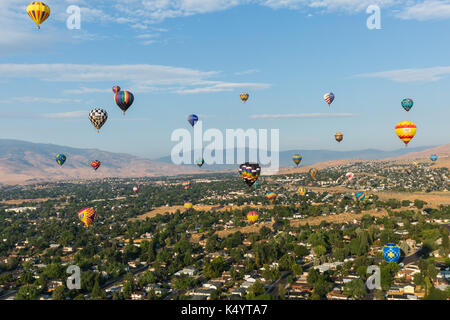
x,y
60,159
391,252
433,157
192,119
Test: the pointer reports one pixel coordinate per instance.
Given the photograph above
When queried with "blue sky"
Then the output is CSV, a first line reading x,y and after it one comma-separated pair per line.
x,y
196,56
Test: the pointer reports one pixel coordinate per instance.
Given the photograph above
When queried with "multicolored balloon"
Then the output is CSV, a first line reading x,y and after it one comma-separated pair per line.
x,y
200,162
329,98
96,164
60,159
188,205
186,184
313,173
38,12
360,196
349,176
244,96
408,171
302,191
87,216
124,99
297,159
339,136
407,104
192,119
434,157
252,216
136,189
98,118
249,172
406,130
271,196
115,89
391,252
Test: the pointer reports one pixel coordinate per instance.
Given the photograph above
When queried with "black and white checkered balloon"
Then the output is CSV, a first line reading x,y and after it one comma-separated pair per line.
x,y
98,117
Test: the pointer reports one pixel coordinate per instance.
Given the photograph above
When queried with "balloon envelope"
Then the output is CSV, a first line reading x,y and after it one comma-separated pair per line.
x,y
313,172
252,216
271,196
95,164
329,97
406,130
186,184
38,12
116,89
391,252
192,119
60,159
433,157
98,118
200,162
407,104
339,136
302,191
188,205
360,196
244,96
249,172
297,159
349,176
124,99
87,216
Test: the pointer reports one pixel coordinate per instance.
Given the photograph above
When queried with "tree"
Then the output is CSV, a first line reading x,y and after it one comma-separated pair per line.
x,y
26,292
281,292
97,293
355,288
58,293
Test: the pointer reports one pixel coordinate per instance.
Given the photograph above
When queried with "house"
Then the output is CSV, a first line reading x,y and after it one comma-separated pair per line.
x,y
336,295
137,295
189,271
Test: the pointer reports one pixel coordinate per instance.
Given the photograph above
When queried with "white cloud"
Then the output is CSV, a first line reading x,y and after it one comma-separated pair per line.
x,y
42,100
66,115
411,75
245,72
302,115
426,10
143,78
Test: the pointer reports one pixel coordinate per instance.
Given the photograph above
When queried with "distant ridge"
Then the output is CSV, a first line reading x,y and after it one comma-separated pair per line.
x,y
24,162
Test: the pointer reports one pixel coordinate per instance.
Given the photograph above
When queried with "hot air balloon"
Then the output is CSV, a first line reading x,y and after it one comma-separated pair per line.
x,y
244,96
115,89
407,104
415,164
329,98
124,99
297,159
39,12
408,171
200,162
188,205
302,191
87,216
252,216
249,172
186,184
391,252
95,164
271,196
192,119
339,136
60,159
349,176
433,157
98,118
313,172
406,130
360,196
136,189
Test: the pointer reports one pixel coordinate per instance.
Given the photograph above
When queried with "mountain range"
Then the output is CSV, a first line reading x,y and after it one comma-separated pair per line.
x,y
27,162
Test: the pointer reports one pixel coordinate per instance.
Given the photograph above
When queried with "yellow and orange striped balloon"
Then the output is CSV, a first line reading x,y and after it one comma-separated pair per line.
x,y
406,130
38,11
252,216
